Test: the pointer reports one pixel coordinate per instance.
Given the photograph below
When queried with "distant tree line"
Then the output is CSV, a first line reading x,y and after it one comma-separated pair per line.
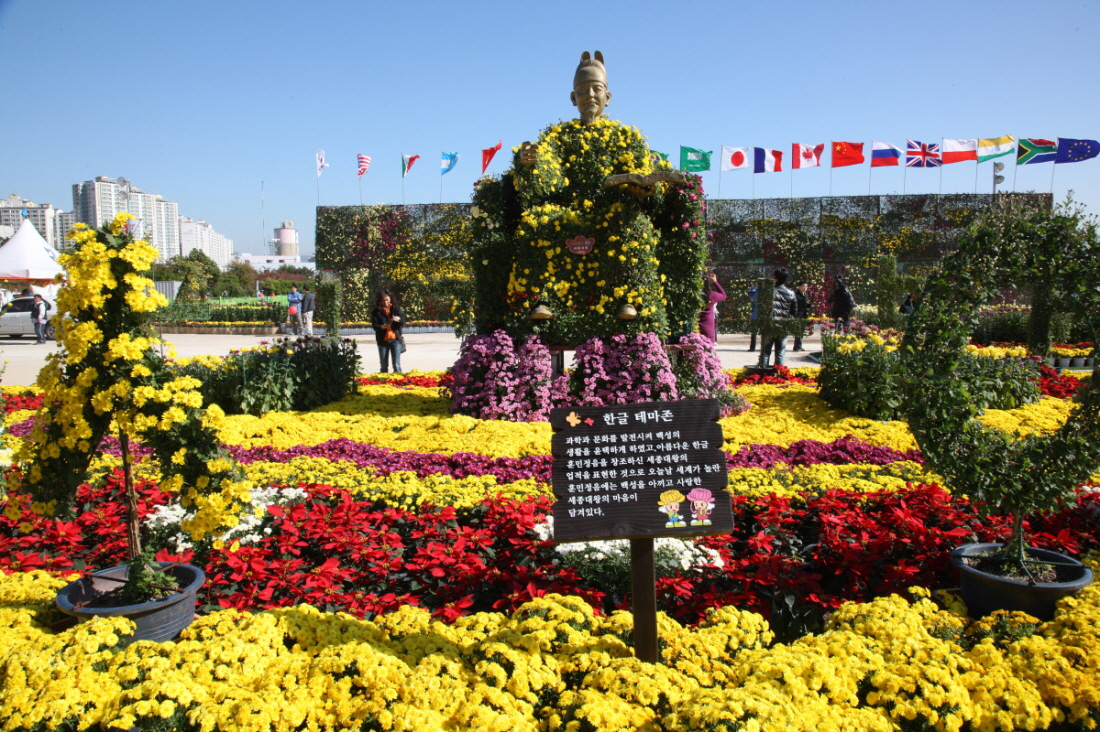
x,y
201,278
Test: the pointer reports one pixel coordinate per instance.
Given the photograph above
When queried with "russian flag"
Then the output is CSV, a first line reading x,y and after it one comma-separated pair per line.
x,y
767,161
883,153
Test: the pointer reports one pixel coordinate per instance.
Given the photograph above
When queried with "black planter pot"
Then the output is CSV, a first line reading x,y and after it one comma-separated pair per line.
x,y
983,592
157,620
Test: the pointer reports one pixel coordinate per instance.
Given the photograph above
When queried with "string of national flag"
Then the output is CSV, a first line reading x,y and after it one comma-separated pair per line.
x,y
916,154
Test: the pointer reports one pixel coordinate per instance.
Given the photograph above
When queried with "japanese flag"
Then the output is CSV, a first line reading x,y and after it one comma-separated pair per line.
x,y
804,156
736,158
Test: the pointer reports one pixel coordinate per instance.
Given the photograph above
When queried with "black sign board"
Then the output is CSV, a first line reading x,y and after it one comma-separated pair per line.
x,y
639,470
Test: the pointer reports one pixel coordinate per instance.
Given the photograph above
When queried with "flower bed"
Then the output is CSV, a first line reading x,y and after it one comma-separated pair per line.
x,y
432,535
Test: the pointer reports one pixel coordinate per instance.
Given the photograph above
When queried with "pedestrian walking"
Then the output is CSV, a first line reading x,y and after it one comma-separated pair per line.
x,y
803,309
784,307
294,309
752,335
39,316
309,301
712,295
388,319
843,305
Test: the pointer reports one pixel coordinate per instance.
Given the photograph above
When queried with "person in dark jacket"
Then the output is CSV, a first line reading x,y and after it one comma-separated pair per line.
x,y
843,305
908,306
387,320
802,309
39,316
712,295
784,307
309,302
753,297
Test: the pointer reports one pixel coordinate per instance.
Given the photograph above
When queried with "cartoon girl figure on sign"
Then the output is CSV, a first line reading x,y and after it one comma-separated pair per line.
x,y
670,504
702,503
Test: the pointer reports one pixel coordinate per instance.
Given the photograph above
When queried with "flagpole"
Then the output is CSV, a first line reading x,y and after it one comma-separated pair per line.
x,y
976,164
441,181
719,180
360,190
941,168
870,167
318,189
833,165
1053,167
792,177
1017,168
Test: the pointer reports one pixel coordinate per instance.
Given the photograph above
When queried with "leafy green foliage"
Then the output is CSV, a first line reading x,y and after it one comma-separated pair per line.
x,y
1014,246
145,580
330,303
868,382
301,373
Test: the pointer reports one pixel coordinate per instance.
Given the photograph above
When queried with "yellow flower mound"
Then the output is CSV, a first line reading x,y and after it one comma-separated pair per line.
x,y
399,489
793,481
553,665
380,418
782,416
1046,415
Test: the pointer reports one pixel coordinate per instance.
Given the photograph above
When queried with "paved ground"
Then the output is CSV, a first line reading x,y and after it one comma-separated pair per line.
x,y
427,351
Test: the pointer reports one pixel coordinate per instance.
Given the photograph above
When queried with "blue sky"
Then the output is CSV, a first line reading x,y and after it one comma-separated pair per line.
x,y
201,101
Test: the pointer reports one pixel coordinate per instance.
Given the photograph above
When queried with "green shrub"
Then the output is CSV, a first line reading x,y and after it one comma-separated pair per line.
x,y
302,373
1012,325
867,382
330,304
213,312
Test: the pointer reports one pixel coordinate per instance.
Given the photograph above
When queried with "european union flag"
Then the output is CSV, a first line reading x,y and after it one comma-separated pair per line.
x,y
1074,151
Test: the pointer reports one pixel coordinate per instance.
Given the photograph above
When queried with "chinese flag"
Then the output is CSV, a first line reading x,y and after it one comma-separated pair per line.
x,y
847,153
487,155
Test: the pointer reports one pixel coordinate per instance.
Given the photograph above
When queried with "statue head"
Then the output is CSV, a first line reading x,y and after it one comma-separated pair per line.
x,y
590,94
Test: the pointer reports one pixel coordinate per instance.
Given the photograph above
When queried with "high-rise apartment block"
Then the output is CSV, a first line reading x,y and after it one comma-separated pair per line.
x,y
62,225
201,235
43,217
98,201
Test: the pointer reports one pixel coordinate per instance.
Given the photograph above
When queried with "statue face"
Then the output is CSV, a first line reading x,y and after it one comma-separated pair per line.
x,y
590,94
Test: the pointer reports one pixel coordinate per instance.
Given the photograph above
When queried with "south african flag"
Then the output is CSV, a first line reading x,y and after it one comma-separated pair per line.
x,y
1035,150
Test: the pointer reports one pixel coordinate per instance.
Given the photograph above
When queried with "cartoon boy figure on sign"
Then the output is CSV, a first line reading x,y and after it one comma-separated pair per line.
x,y
670,504
702,503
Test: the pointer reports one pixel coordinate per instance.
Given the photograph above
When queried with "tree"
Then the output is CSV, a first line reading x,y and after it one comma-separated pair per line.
x,y
245,273
1013,246
211,267
108,377
231,285
291,269
195,280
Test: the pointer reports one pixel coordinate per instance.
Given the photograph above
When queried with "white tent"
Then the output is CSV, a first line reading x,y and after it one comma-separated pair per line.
x,y
27,256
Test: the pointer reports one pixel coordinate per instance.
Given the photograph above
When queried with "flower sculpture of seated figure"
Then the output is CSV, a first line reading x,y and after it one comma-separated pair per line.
x,y
590,233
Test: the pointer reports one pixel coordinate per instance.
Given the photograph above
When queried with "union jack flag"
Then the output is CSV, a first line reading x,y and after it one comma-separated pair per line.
x,y
364,164
922,155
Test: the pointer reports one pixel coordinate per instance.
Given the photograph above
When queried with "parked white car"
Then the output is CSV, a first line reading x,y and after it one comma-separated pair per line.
x,y
15,317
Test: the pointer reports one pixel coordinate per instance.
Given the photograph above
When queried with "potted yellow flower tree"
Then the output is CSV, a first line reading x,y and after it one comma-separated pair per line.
x,y
1056,253
108,378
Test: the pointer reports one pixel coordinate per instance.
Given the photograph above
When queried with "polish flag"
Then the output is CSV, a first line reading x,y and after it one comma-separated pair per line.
x,y
735,158
804,156
956,151
767,161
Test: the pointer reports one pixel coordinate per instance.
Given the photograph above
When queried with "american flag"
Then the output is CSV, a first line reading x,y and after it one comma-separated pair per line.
x,y
364,164
922,155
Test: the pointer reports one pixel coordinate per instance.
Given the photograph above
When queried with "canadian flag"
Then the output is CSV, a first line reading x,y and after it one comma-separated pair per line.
x,y
736,158
804,156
